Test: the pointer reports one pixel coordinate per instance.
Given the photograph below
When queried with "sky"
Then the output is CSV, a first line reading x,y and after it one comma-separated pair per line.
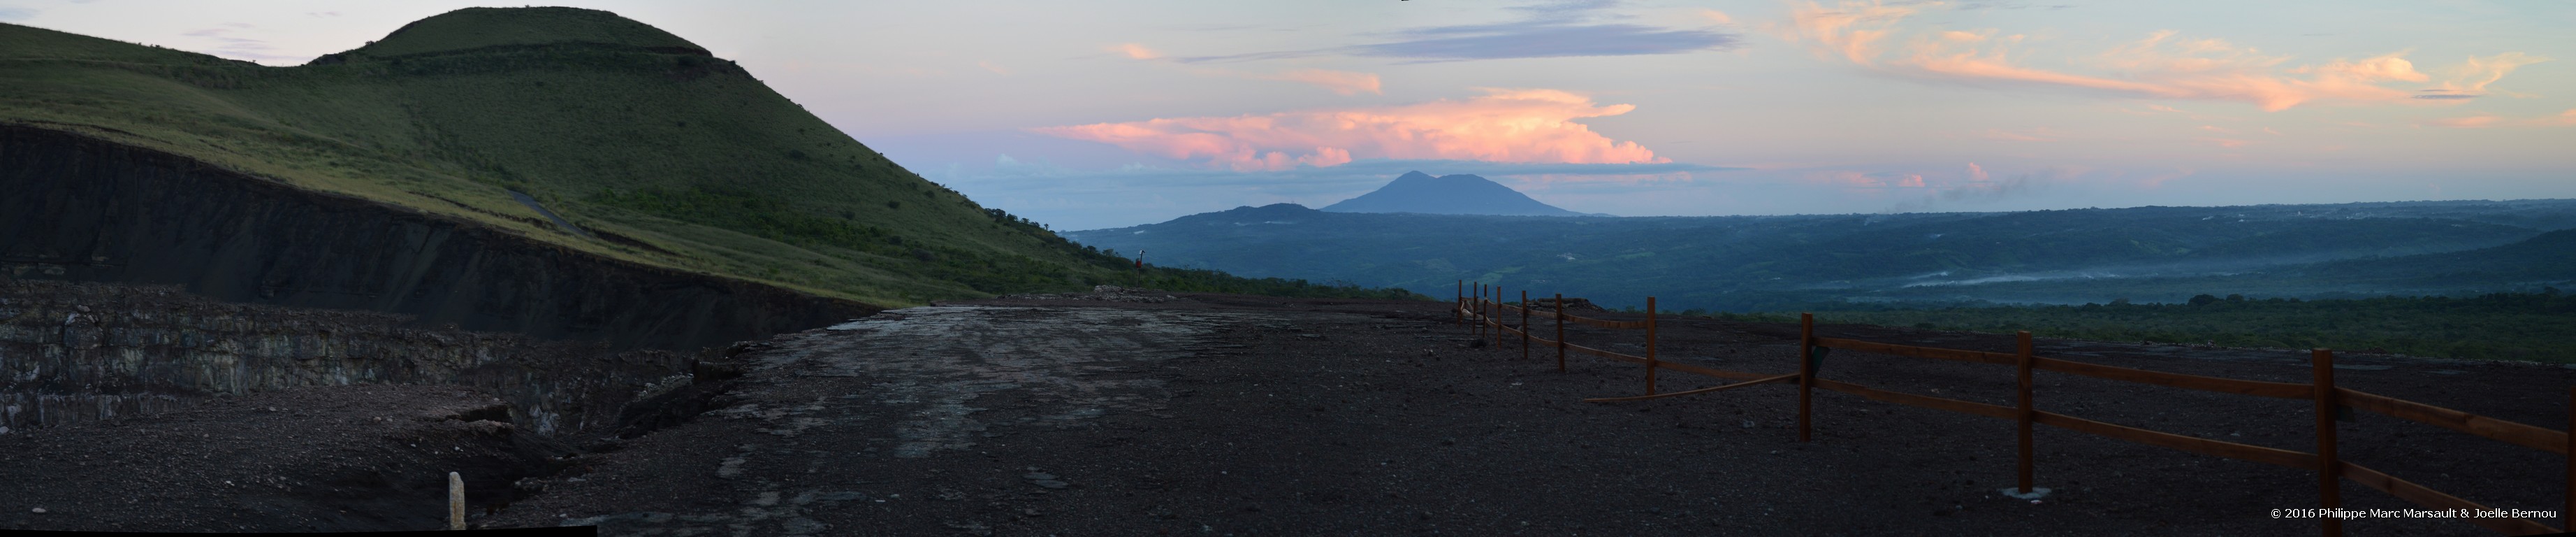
x,y
1096,114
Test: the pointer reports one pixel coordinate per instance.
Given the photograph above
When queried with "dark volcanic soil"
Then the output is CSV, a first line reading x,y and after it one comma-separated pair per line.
x,y
1235,415
1215,414
319,459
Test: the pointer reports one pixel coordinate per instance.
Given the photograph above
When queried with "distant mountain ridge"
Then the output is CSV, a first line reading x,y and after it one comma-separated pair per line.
x,y
1417,192
1778,263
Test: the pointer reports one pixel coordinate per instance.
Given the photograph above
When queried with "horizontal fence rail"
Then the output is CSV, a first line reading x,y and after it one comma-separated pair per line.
x,y
2284,390
1488,314
1630,358
2500,430
2298,460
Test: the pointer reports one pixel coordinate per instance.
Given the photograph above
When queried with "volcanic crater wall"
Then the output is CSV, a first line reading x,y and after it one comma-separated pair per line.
x,y
82,209
79,352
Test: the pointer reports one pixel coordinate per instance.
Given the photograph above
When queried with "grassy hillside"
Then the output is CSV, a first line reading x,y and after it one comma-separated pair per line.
x,y
663,154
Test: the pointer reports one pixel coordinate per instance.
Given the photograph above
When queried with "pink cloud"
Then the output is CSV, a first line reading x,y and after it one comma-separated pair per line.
x,y
1716,16
2563,119
1543,182
1504,125
1342,82
1136,51
2473,76
1976,173
2159,66
1855,31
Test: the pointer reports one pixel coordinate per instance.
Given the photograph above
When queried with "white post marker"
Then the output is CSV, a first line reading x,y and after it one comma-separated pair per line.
x,y
455,501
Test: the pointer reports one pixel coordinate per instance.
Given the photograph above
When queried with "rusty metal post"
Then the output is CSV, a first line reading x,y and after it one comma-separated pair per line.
x,y
2329,468
1651,363
2567,518
1498,317
1560,360
2026,412
1806,370
1525,324
1478,305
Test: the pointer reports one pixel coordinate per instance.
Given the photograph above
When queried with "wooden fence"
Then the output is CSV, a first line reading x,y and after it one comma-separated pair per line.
x,y
1487,310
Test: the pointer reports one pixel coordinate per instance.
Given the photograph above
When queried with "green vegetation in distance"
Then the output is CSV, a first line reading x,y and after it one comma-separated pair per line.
x,y
664,154
2497,326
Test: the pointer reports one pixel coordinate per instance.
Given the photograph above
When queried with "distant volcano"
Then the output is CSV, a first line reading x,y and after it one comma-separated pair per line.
x,y
1418,192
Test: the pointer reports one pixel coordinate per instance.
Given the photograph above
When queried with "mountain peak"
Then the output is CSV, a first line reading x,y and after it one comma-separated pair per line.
x,y
1417,192
484,27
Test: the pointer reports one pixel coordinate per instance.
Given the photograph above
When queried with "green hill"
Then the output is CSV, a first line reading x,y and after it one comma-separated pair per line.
x,y
658,152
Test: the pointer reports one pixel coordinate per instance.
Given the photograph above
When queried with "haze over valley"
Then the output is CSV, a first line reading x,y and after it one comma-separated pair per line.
x,y
1772,263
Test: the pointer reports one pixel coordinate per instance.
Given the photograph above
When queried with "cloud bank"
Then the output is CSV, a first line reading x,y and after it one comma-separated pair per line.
x,y
1341,82
1504,125
1543,39
1873,35
2563,119
1547,30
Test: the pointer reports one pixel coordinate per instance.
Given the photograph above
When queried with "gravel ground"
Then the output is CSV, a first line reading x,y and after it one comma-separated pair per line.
x,y
1216,414
323,459
1233,415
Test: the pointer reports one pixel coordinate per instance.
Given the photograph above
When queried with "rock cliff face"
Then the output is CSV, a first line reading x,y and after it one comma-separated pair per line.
x,y
80,209
74,352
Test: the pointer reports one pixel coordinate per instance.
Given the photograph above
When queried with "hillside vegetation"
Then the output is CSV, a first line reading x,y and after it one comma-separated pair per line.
x,y
657,151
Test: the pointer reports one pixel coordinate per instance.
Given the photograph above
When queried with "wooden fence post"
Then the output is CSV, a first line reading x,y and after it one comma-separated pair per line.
x,y
2567,518
2026,412
1525,324
1497,306
1806,370
1479,307
1460,312
2329,478
1560,357
1651,363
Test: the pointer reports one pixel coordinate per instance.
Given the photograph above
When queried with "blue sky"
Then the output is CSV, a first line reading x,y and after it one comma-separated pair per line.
x,y
1101,114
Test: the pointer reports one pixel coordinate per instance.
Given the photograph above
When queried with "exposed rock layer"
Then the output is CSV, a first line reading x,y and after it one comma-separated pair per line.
x,y
73,353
